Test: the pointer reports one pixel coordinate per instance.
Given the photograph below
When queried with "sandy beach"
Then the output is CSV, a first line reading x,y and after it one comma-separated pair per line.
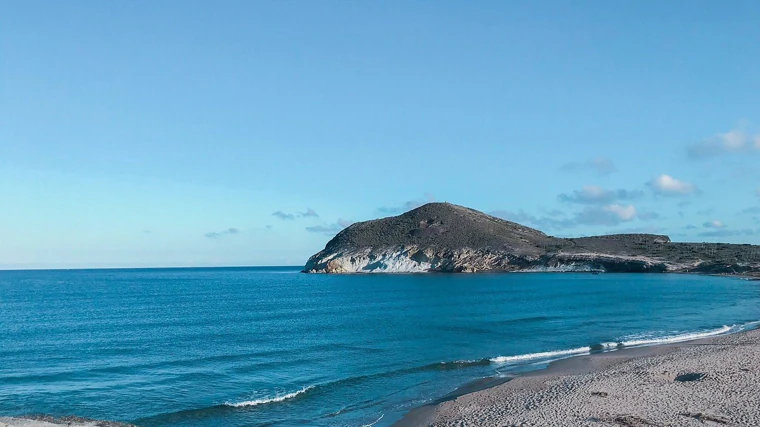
x,y
714,381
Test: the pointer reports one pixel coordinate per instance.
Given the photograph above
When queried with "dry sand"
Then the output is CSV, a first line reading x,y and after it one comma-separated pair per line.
x,y
713,381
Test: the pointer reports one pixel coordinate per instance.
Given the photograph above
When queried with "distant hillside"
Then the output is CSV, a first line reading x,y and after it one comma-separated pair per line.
x,y
442,237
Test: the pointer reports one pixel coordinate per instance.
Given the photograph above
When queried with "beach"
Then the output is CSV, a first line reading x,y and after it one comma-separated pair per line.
x,y
712,381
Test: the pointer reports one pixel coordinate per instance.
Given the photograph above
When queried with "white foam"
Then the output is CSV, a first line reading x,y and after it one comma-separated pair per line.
x,y
542,355
678,338
633,341
376,421
278,398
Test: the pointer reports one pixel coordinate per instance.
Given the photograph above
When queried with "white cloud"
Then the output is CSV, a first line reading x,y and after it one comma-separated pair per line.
x,y
733,141
593,194
624,213
608,215
714,224
666,185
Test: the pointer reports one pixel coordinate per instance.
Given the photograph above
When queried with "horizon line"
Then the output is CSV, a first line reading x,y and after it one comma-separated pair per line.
x,y
3,269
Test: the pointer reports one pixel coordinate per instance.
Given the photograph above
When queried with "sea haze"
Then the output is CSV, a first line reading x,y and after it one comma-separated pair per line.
x,y
270,346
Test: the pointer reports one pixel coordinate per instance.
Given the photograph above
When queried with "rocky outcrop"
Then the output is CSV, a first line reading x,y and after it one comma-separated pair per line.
x,y
446,238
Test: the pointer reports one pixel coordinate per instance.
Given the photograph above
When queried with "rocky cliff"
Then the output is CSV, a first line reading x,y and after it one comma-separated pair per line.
x,y
442,237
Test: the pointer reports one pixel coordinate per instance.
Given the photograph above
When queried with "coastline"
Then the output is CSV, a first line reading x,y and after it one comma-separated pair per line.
x,y
665,384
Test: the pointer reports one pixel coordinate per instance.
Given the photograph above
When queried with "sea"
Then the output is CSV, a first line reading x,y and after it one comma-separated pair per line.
x,y
276,347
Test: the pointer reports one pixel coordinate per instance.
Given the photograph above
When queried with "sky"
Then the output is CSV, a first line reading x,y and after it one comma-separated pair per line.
x,y
195,133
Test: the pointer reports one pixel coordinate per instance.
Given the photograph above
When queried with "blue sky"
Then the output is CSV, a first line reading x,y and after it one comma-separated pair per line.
x,y
186,133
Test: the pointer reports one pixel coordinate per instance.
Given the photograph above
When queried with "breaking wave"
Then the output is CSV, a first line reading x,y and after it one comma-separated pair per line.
x,y
636,341
277,398
629,341
541,355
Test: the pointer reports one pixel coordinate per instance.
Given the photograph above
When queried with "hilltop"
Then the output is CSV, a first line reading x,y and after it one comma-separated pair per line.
x,y
443,237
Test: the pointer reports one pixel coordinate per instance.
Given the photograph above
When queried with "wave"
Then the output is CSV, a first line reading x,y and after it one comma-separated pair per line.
x,y
636,342
278,398
630,341
376,421
541,355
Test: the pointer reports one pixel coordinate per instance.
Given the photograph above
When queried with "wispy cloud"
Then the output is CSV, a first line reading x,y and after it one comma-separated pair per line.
x,y
284,216
406,206
666,185
309,213
607,215
601,165
218,234
734,141
592,194
714,224
330,229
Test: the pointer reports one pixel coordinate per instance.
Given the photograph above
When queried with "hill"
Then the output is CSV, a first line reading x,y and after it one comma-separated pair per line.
x,y
443,237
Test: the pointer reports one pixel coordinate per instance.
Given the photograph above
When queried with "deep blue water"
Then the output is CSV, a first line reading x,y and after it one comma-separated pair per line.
x,y
183,347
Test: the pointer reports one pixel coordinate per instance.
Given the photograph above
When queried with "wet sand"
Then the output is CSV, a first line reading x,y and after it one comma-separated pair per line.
x,y
713,381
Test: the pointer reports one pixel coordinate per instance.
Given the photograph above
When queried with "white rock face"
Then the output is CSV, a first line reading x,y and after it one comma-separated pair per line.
x,y
412,259
389,262
368,261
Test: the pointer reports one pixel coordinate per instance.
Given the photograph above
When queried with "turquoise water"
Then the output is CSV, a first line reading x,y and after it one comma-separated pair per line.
x,y
272,347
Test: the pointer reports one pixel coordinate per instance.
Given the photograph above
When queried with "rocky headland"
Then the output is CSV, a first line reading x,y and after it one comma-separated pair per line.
x,y
447,238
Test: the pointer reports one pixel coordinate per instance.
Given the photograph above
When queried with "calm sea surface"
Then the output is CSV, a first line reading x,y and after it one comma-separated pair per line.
x,y
272,347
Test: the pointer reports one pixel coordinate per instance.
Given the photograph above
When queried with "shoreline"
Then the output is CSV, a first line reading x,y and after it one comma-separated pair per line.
x,y
482,400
